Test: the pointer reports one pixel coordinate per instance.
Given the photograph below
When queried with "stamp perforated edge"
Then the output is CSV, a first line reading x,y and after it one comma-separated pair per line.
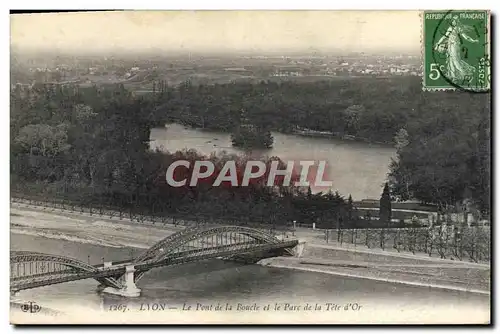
x,y
422,51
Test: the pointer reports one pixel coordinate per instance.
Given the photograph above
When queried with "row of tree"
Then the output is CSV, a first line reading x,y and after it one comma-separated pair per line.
x,y
443,158
371,108
91,146
442,138
98,138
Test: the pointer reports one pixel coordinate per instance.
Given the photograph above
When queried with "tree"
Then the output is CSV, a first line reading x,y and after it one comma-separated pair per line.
x,y
44,139
401,139
352,116
84,113
249,135
385,206
350,209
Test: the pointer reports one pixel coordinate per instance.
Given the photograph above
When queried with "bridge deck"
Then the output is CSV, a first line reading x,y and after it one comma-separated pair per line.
x,y
118,268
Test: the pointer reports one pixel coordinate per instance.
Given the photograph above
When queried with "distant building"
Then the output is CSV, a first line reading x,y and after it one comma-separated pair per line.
x,y
287,74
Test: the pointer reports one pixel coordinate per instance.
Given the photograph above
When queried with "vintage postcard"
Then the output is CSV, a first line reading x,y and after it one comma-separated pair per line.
x,y
250,167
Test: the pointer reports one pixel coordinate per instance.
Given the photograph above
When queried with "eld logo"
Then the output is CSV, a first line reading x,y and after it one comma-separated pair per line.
x,y
31,307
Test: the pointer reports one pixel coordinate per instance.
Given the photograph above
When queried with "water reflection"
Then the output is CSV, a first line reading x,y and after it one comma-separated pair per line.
x,y
359,169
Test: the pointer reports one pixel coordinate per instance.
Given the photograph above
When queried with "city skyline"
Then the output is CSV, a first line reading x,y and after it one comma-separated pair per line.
x,y
213,31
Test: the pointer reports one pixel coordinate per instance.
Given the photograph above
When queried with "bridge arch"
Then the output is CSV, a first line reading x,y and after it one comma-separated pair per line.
x,y
180,243
168,245
61,265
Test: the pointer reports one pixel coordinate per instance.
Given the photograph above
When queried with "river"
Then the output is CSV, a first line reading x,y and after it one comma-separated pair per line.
x,y
355,168
216,281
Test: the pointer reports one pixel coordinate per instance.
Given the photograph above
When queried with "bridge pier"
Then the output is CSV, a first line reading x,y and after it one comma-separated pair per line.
x,y
101,287
129,289
299,249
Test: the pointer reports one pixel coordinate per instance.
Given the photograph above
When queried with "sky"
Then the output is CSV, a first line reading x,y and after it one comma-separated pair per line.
x,y
193,31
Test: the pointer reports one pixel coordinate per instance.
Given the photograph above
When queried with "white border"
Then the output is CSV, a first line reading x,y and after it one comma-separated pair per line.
x,y
186,4
253,5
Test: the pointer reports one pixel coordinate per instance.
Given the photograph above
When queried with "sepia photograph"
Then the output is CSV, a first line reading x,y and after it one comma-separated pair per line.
x,y
250,167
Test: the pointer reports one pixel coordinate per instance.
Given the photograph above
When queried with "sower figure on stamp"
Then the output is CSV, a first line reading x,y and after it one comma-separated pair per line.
x,y
450,43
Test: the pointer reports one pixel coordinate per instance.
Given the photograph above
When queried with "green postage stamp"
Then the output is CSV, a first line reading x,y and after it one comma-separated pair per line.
x,y
456,50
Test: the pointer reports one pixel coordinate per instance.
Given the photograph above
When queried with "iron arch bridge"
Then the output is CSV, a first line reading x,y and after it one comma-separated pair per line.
x,y
31,269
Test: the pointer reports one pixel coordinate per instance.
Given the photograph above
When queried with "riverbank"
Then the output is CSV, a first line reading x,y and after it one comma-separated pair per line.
x,y
332,259
456,277
337,135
